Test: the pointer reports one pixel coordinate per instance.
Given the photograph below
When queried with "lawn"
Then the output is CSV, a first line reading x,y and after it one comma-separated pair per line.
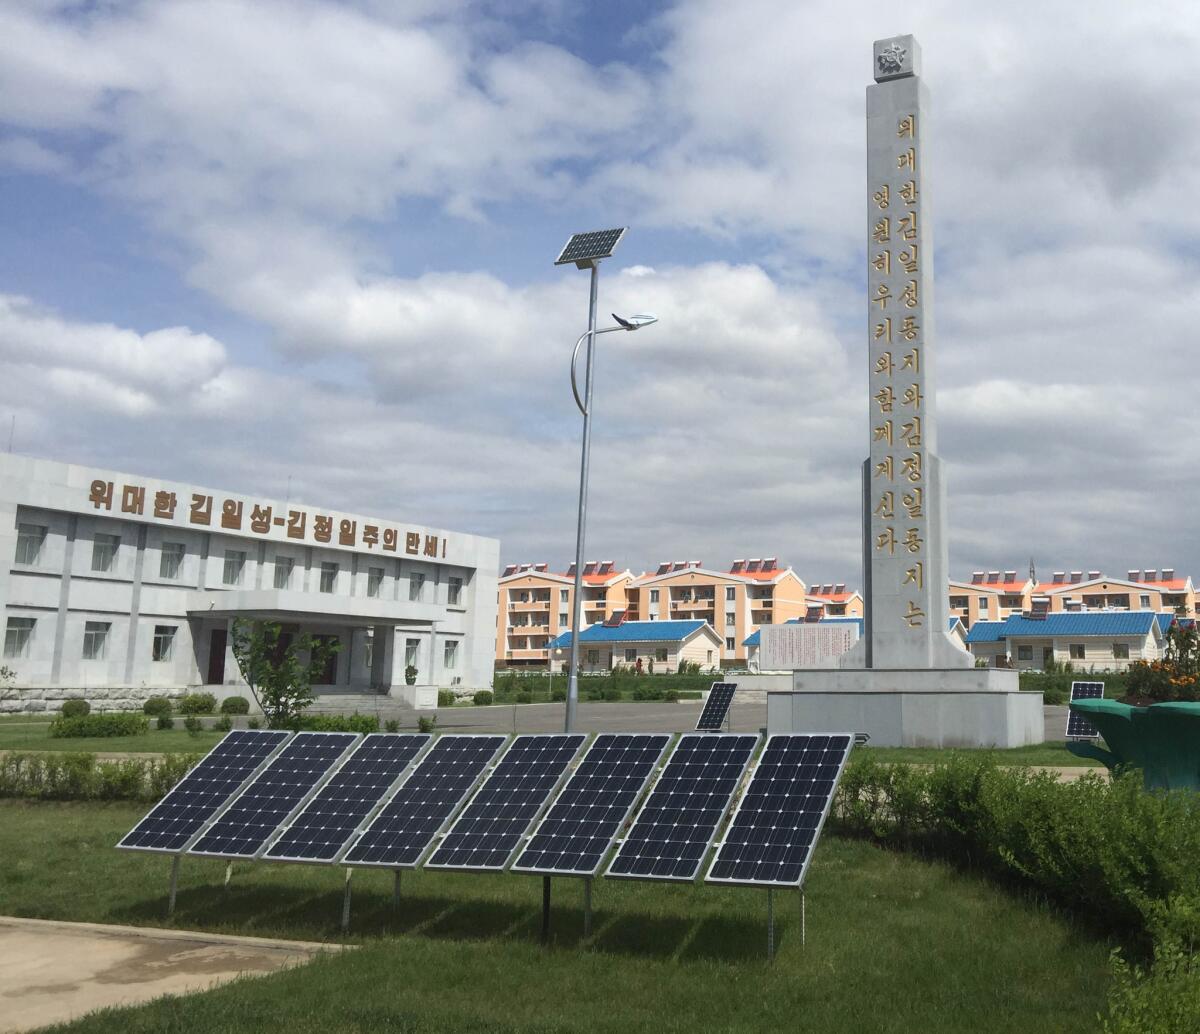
x,y
894,944
32,732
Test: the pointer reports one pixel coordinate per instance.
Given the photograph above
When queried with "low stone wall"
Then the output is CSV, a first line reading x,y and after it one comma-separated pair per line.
x,y
32,700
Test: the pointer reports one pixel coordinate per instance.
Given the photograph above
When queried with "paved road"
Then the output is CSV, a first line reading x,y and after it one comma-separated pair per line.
x,y
51,972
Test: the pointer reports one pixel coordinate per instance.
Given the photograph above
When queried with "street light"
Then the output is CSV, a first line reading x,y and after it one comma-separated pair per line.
x,y
586,250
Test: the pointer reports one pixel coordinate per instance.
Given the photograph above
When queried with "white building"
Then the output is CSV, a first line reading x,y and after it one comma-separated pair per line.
x,y
117,580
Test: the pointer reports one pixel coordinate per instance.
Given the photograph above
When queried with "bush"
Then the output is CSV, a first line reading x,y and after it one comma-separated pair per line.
x,y
115,724
197,703
76,708
356,722
164,721
482,698
392,725
235,705
1163,1000
253,723
446,698
648,692
155,707
523,696
224,723
62,777
671,696
610,693
193,725
426,724
557,695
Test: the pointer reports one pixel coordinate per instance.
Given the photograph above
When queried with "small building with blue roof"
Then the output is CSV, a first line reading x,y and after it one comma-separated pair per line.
x,y
659,645
1101,640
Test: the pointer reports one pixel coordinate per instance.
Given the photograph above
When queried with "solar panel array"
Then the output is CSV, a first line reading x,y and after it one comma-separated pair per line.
x,y
1078,726
401,833
596,244
771,837
673,831
174,822
320,831
244,828
489,830
716,707
579,827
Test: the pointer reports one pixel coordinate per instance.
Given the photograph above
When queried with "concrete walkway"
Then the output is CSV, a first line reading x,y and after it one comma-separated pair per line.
x,y
51,972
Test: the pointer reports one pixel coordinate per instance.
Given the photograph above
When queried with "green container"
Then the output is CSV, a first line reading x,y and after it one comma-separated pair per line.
x,y
1163,740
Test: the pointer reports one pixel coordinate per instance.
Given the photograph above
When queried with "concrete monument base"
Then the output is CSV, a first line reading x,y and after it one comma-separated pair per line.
x,y
904,707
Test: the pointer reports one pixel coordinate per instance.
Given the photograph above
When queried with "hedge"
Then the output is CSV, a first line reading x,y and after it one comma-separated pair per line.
x,y
197,703
235,705
121,723
48,775
337,723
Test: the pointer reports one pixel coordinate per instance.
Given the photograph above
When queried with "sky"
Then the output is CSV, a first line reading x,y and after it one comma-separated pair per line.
x,y
305,248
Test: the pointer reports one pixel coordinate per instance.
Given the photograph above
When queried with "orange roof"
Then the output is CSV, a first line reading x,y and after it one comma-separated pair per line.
x,y
760,576
997,586
1173,585
833,597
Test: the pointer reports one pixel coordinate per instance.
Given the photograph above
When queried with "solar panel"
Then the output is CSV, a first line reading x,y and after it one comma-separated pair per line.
x,y
401,833
586,247
489,830
1079,727
771,837
578,829
673,831
274,795
716,707
178,818
338,810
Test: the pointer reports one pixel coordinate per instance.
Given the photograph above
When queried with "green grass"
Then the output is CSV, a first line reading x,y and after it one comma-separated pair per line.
x,y
1052,752
33,733
895,944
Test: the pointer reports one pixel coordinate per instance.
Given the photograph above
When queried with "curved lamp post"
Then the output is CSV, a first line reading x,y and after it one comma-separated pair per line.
x,y
586,250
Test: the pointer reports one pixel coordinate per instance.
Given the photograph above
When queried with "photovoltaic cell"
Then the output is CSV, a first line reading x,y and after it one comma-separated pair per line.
x,y
716,707
244,828
401,833
176,820
352,793
1078,726
596,244
489,830
772,834
673,831
579,827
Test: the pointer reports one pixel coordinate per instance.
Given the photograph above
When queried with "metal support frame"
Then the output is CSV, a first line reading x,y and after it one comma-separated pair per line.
x,y
803,918
346,902
175,860
228,873
770,924
587,906
545,909
396,889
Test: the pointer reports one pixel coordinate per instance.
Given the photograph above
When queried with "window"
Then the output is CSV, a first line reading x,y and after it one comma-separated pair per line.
x,y
710,657
170,560
30,538
1024,653
416,587
729,645
374,582
450,655
1144,602
731,593
104,551
17,636
563,618
983,604
563,595
653,595
631,654
164,642
594,657
730,618
95,639
283,571
1120,651
453,591
235,564
329,573
1077,652
660,653
410,652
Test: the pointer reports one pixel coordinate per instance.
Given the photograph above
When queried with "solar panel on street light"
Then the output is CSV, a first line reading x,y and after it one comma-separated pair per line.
x,y
585,248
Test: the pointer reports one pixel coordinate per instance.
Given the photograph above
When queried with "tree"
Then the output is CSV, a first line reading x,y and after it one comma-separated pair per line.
x,y
269,661
7,676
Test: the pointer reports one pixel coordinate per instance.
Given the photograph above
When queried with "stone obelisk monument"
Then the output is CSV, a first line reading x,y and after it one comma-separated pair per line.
x,y
906,682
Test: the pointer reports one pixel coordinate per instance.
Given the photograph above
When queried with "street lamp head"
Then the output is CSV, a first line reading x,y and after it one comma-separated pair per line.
x,y
635,322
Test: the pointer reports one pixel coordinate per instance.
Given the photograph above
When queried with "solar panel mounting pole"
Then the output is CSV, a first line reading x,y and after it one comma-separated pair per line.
x,y
175,859
346,901
545,909
396,890
770,924
587,906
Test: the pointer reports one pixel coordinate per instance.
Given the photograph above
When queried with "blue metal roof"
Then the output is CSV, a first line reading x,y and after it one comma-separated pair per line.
x,y
633,632
985,632
1164,621
1118,622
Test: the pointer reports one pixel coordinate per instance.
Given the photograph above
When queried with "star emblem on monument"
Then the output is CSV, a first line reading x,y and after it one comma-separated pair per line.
x,y
891,58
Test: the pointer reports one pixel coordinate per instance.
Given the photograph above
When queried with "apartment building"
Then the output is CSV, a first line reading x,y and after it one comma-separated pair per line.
x,y
1159,590
834,601
990,596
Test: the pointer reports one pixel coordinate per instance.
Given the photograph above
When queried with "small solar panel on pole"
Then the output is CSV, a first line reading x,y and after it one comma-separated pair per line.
x,y
1078,726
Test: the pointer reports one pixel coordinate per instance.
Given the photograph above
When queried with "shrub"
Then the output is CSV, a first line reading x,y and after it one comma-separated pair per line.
x,y
392,725
156,707
426,724
648,692
558,694
446,698
197,703
356,722
76,708
523,696
253,723
482,698
610,693
1162,1000
235,705
193,725
164,721
115,724
224,723
671,696
410,675
53,776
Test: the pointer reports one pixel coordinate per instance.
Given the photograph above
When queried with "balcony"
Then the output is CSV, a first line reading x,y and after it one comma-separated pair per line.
x,y
530,605
526,655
